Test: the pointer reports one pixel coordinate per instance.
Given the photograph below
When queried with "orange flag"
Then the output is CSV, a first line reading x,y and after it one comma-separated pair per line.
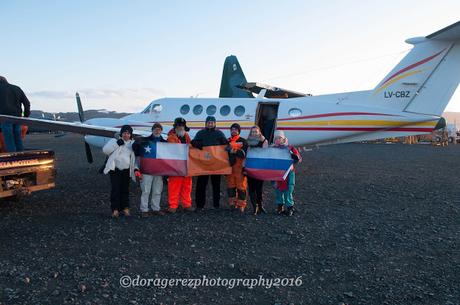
x,y
211,160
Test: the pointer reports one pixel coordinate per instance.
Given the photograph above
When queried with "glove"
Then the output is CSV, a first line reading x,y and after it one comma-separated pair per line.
x,y
138,174
120,142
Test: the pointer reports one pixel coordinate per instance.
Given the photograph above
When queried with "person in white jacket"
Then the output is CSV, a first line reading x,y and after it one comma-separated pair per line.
x,y
121,167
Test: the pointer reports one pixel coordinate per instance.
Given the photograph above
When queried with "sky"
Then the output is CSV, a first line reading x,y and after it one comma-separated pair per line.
x,y
120,55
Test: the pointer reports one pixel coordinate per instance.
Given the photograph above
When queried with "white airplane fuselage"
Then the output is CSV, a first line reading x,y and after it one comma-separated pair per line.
x,y
311,120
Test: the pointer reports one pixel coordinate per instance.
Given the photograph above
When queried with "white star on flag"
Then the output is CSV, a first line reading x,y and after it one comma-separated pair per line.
x,y
147,149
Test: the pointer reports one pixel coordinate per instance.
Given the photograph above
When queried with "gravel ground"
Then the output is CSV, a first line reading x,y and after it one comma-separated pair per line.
x,y
375,224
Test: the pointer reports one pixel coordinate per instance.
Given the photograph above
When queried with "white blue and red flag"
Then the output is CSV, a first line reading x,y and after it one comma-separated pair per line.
x,y
271,163
164,159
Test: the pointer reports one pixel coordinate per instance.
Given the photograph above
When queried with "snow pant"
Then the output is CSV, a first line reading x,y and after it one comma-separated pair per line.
x,y
180,188
12,137
236,188
200,191
119,193
285,196
255,187
151,186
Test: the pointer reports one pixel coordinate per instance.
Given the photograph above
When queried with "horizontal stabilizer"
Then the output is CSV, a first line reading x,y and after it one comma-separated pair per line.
x,y
271,92
450,33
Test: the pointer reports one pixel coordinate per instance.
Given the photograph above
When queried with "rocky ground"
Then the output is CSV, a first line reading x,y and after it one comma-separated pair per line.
x,y
375,224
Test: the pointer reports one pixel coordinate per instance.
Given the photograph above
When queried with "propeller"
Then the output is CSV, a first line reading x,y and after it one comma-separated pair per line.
x,y
81,114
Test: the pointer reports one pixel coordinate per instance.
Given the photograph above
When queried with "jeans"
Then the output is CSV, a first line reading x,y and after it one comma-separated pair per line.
x,y
285,197
12,135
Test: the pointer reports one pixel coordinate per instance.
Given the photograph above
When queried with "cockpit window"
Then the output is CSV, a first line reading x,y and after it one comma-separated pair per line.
x,y
147,109
185,109
198,109
156,108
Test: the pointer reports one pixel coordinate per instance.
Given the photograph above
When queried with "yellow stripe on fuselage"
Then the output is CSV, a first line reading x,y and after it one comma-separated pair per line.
x,y
351,123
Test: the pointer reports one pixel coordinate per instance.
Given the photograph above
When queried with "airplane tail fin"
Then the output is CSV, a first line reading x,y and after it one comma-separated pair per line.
x,y
233,76
426,78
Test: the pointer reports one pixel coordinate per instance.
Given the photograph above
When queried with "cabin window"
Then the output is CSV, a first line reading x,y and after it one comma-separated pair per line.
x,y
295,112
198,109
239,110
184,109
224,110
157,108
211,110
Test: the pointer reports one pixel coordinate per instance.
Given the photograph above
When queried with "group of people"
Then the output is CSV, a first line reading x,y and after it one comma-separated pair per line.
x,y
123,164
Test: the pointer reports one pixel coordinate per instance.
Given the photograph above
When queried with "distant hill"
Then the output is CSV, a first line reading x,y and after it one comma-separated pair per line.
x,y
73,116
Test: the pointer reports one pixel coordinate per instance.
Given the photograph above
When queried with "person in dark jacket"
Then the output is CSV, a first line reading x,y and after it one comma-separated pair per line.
x,y
255,186
151,185
208,137
13,102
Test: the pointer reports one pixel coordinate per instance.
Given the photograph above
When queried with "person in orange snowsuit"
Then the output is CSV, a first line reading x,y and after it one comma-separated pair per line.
x,y
236,181
179,187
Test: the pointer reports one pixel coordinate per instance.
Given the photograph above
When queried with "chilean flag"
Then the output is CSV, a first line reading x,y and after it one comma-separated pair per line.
x,y
164,159
271,163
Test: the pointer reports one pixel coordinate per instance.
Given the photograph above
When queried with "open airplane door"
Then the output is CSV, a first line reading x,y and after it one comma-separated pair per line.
x,y
266,118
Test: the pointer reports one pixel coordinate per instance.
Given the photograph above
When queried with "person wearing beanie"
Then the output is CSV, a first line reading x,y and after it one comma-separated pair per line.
x,y
151,185
284,189
121,167
255,186
179,187
236,181
208,136
13,102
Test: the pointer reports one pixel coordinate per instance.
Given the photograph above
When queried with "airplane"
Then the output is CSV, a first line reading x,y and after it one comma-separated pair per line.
x,y
408,101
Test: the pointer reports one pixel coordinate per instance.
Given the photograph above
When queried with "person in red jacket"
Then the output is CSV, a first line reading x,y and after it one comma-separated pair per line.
x,y
179,187
236,181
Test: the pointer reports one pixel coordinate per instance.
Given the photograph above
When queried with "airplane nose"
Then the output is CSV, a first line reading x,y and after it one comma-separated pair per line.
x,y
96,140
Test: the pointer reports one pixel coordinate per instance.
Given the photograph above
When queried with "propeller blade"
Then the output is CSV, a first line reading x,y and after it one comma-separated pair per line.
x,y
80,108
89,155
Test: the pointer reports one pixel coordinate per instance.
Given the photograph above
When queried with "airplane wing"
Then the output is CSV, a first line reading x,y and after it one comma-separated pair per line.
x,y
271,92
76,127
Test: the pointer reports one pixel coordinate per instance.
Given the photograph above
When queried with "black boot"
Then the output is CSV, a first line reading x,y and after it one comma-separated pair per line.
x,y
280,209
290,211
260,209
